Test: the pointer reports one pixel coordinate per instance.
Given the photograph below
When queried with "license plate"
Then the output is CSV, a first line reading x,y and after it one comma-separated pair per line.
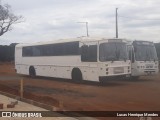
x,y
118,70
149,66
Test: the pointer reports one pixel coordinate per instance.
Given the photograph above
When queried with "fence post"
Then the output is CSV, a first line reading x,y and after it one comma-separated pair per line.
x,y
21,88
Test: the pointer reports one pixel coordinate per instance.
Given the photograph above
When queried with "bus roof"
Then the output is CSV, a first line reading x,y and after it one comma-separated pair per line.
x,y
80,39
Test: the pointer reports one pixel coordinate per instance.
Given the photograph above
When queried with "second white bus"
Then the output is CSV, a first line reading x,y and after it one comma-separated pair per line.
x,y
143,56
77,59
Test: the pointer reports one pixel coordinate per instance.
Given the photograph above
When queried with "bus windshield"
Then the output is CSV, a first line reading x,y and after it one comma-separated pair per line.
x,y
145,52
112,51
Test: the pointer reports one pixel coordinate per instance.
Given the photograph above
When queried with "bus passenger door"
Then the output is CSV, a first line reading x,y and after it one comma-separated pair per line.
x,y
89,60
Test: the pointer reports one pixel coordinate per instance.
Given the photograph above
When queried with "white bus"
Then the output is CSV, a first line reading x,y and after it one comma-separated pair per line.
x,y
143,56
77,59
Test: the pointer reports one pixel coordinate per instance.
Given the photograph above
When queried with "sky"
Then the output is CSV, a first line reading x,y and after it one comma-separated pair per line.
x,y
46,20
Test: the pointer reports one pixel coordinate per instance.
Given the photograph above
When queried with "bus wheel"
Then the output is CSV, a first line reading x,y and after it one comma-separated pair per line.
x,y
76,75
32,71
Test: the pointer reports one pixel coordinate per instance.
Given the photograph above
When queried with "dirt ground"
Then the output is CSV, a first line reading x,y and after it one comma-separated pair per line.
x,y
114,95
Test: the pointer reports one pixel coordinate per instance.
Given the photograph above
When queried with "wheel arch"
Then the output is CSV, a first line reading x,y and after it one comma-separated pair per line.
x,y
32,71
78,71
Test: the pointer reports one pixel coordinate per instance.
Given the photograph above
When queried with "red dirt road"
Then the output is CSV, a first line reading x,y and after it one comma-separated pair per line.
x,y
114,95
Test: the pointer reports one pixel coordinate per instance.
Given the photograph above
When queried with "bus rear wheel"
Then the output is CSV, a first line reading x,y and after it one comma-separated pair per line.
x,y
76,75
32,71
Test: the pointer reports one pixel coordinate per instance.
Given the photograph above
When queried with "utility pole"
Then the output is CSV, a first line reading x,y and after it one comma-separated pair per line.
x,y
116,23
86,27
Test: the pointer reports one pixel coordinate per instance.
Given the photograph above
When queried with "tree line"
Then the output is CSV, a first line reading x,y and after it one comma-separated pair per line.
x,y
7,19
7,52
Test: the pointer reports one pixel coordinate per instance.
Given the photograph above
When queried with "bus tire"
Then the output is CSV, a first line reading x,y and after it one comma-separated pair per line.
x,y
76,75
32,71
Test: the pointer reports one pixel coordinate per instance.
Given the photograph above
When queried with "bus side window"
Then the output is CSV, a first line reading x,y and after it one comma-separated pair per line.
x,y
92,53
36,51
89,53
84,52
27,51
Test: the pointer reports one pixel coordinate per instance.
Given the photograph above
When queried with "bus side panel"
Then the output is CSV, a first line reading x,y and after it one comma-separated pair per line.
x,y
90,73
53,71
64,72
20,68
53,66
18,55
